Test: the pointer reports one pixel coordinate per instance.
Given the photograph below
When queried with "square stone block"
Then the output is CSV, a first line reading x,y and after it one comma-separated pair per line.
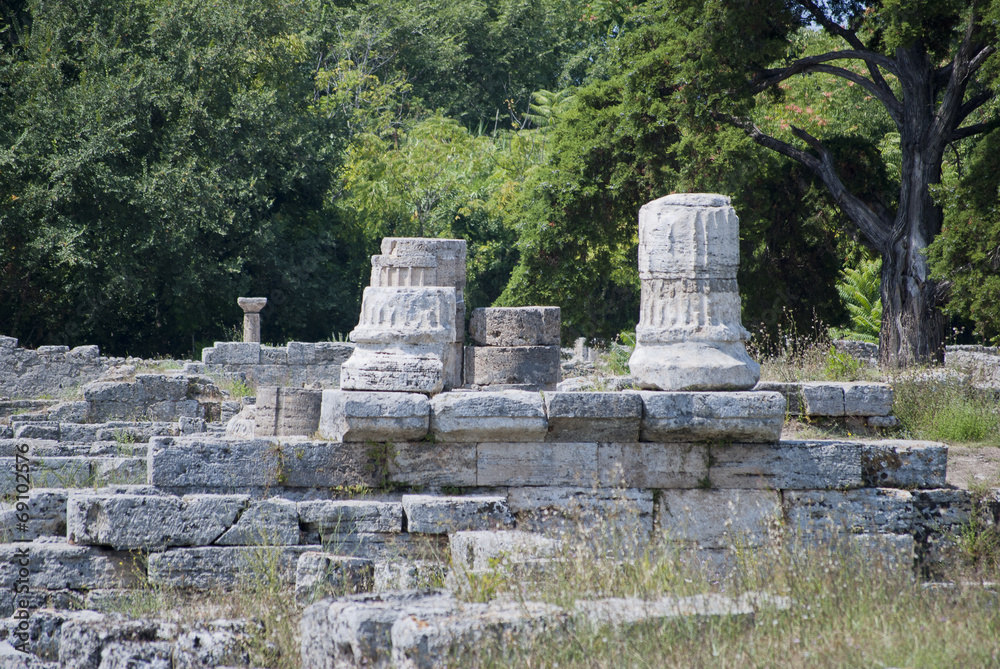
x,y
324,517
624,514
717,416
373,416
515,326
434,514
718,518
653,465
860,511
512,415
823,399
904,464
426,463
787,465
235,353
539,464
601,417
534,366
867,399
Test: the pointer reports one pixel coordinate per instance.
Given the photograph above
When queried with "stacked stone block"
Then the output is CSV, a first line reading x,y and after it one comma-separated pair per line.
x,y
410,334
869,403
297,365
515,348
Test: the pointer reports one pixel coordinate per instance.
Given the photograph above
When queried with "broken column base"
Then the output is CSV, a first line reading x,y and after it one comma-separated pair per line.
x,y
403,368
693,365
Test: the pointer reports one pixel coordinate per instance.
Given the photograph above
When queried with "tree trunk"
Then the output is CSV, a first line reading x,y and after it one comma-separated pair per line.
x,y
913,324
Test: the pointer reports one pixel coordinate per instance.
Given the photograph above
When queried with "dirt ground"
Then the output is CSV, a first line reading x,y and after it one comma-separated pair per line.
x,y
969,465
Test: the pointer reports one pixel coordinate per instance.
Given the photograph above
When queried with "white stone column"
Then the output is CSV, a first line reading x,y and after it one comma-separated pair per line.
x,y
690,336
251,317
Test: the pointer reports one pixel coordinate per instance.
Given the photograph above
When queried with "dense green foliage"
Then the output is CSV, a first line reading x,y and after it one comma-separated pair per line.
x,y
158,158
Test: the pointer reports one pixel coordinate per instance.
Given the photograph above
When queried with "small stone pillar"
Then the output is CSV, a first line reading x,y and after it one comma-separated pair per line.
x,y
251,317
690,336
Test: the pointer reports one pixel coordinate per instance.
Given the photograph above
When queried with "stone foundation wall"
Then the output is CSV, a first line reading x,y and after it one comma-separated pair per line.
x,y
297,365
49,371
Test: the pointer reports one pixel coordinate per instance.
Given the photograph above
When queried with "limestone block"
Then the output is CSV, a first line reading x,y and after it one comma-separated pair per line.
x,y
107,643
214,567
861,511
113,470
127,522
407,316
425,640
718,518
511,415
274,355
373,416
904,464
285,412
624,515
476,551
601,417
49,472
235,353
823,399
433,514
399,368
69,412
332,352
37,430
323,518
736,416
867,399
893,550
883,422
537,464
653,465
319,574
8,342
533,366
792,392
408,574
425,463
387,546
46,511
61,566
693,366
205,463
270,522
515,326
941,510
788,465
355,631
43,629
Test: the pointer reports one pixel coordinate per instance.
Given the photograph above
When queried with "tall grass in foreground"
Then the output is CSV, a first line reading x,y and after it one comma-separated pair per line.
x,y
849,608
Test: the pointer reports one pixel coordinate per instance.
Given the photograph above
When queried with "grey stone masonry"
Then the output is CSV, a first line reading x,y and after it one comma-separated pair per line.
x,y
157,397
434,514
904,464
603,417
297,365
325,518
794,465
515,326
211,567
128,522
695,416
718,518
374,416
518,367
510,415
49,370
861,511
319,574
286,412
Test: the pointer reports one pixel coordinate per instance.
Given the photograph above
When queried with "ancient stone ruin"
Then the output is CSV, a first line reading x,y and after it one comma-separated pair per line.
x,y
465,455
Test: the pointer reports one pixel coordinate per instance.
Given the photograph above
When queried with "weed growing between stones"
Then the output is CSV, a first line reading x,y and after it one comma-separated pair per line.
x,y
944,408
234,388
